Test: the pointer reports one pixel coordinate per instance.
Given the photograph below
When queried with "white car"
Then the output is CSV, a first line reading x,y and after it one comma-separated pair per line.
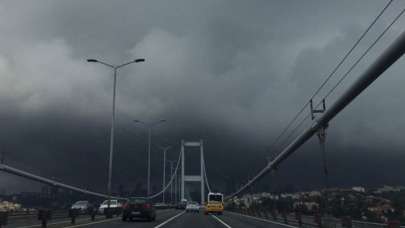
x,y
82,206
113,204
192,207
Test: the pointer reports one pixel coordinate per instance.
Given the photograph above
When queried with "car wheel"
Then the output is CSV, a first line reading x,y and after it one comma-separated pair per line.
x,y
124,218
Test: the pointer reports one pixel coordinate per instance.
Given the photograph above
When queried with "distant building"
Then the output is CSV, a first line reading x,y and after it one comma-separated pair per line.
x,y
387,188
359,189
314,193
309,206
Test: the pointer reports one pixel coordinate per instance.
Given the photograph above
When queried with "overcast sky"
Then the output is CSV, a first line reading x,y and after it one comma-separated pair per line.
x,y
230,72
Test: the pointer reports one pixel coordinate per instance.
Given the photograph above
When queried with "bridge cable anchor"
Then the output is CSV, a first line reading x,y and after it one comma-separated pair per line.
x,y
321,133
314,110
322,141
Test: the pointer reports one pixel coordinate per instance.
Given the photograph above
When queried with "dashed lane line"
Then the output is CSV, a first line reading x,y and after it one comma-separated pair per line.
x,y
222,222
262,220
170,219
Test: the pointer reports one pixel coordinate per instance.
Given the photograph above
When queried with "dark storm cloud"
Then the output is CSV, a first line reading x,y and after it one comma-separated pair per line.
x,y
231,72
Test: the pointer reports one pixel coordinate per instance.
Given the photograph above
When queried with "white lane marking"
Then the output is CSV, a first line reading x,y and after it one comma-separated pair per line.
x,y
262,220
54,223
222,222
91,223
170,219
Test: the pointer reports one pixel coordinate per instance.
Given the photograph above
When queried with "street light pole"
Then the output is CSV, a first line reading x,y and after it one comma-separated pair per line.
x,y
171,185
149,145
112,138
165,149
149,126
164,175
110,162
175,188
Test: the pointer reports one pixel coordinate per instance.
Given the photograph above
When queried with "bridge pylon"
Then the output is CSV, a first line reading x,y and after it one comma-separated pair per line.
x,y
192,178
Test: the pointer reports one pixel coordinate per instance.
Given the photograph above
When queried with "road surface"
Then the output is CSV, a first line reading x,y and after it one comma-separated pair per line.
x,y
168,219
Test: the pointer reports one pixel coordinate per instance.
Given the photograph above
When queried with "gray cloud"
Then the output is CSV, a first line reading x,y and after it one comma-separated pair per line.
x,y
231,72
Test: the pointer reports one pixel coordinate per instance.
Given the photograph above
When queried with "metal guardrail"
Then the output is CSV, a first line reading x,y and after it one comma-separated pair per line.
x,y
22,215
32,212
309,221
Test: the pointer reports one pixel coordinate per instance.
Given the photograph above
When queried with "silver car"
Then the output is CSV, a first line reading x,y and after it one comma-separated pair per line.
x,y
113,204
81,206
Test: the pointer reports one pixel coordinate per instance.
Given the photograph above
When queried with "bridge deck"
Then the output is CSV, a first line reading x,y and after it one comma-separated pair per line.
x,y
165,218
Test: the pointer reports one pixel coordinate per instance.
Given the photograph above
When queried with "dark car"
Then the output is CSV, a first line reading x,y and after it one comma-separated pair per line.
x,y
138,208
182,205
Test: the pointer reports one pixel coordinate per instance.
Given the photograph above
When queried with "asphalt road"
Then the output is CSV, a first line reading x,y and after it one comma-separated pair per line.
x,y
171,219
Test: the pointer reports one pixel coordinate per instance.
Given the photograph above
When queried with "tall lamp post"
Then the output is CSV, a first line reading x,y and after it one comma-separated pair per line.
x,y
176,187
171,174
165,149
115,69
149,125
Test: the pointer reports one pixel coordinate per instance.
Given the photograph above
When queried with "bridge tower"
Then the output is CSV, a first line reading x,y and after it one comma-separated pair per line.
x,y
192,178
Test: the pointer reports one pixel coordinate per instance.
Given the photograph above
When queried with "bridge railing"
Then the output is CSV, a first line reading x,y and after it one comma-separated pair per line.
x,y
308,221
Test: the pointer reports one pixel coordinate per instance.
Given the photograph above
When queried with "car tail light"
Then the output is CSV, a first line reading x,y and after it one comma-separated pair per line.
x,y
125,205
146,205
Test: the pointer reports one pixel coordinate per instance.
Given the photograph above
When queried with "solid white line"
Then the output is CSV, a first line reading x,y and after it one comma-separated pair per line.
x,y
262,220
170,219
91,223
222,222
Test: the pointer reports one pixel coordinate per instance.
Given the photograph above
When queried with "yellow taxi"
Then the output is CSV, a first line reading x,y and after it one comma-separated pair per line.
x,y
215,203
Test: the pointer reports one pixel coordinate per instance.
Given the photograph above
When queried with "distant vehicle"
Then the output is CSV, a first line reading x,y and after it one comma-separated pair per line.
x,y
193,207
215,203
82,206
113,204
138,208
182,205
